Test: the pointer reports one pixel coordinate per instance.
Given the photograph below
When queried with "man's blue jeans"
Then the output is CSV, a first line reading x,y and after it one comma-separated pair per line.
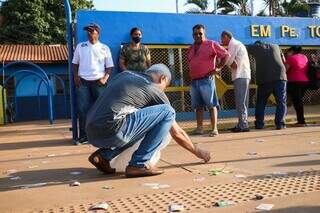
x,y
279,90
149,125
87,94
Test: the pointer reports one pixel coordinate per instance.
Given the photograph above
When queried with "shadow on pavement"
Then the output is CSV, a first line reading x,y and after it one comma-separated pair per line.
x,y
232,161
50,177
299,163
298,209
35,144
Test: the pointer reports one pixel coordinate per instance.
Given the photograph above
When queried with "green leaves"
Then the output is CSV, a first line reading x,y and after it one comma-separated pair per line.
x,y
37,21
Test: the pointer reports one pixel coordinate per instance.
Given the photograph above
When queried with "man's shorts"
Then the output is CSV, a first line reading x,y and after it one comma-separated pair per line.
x,y
203,93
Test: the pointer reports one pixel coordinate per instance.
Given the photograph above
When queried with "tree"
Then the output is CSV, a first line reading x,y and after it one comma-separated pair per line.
x,y
201,6
286,7
36,21
294,8
237,7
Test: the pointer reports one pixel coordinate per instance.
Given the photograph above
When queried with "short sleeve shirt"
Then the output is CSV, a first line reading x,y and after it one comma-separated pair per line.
x,y
269,65
298,68
135,60
92,60
126,93
203,61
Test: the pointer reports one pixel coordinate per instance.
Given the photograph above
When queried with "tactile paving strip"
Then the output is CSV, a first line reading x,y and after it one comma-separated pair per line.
x,y
204,197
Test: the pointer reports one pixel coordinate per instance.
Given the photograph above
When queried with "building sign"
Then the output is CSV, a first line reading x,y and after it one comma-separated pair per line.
x,y
265,31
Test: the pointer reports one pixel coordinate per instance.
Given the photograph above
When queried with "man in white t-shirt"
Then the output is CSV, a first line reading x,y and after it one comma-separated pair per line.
x,y
92,66
241,74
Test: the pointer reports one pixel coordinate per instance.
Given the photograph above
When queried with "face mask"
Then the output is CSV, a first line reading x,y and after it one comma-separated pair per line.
x,y
136,39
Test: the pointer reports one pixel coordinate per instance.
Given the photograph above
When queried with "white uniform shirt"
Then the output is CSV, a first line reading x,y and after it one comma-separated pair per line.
x,y
92,60
238,53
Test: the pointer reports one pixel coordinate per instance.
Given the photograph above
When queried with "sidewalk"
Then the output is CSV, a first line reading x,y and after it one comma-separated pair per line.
x,y
283,166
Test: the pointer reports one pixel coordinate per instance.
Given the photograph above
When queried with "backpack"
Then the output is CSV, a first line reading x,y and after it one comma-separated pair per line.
x,y
314,76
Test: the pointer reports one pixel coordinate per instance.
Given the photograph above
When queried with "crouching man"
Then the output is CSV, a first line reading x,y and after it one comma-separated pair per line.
x,y
134,109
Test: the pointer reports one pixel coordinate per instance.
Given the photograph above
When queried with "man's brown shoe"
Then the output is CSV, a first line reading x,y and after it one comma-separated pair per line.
x,y
142,172
100,163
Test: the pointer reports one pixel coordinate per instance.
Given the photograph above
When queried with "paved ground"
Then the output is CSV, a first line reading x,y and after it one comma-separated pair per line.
x,y
282,166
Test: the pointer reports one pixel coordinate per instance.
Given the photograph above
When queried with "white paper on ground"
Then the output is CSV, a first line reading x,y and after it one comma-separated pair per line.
x,y
150,184
176,208
199,179
121,161
15,178
155,185
75,183
240,176
279,173
75,173
99,206
264,206
33,166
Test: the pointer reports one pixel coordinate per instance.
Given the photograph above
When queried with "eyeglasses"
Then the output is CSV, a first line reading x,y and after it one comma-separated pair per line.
x,y
200,34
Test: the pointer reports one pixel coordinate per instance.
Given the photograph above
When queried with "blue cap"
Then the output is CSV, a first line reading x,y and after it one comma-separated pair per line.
x,y
92,26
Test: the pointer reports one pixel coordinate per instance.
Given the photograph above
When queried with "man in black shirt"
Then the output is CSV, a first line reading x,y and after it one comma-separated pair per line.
x,y
271,78
134,108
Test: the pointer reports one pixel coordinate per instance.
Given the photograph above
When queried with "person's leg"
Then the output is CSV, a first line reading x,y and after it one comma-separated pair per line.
x,y
84,103
199,117
296,93
280,93
241,92
263,93
154,136
149,125
214,118
197,105
97,90
209,96
154,122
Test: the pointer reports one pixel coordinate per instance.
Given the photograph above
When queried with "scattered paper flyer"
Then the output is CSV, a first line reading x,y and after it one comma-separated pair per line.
x,y
75,173
264,206
176,208
155,185
99,206
15,178
240,176
199,179
75,183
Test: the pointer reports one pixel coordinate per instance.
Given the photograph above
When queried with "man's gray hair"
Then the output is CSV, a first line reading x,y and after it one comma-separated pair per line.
x,y
159,69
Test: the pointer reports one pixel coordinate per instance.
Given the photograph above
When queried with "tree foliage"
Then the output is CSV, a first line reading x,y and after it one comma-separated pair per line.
x,y
237,7
201,6
36,21
286,7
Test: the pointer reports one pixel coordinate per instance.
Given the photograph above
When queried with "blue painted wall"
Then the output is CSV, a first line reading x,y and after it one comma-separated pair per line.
x,y
169,28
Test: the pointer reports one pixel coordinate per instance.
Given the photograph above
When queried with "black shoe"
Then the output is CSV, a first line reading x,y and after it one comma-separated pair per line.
x,y
237,129
281,127
82,141
258,127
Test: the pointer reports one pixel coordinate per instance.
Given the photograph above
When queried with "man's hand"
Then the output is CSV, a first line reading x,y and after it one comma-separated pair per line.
x,y
202,154
77,80
103,80
234,65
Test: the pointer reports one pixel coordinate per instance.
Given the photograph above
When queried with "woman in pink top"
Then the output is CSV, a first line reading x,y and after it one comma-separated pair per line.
x,y
297,68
